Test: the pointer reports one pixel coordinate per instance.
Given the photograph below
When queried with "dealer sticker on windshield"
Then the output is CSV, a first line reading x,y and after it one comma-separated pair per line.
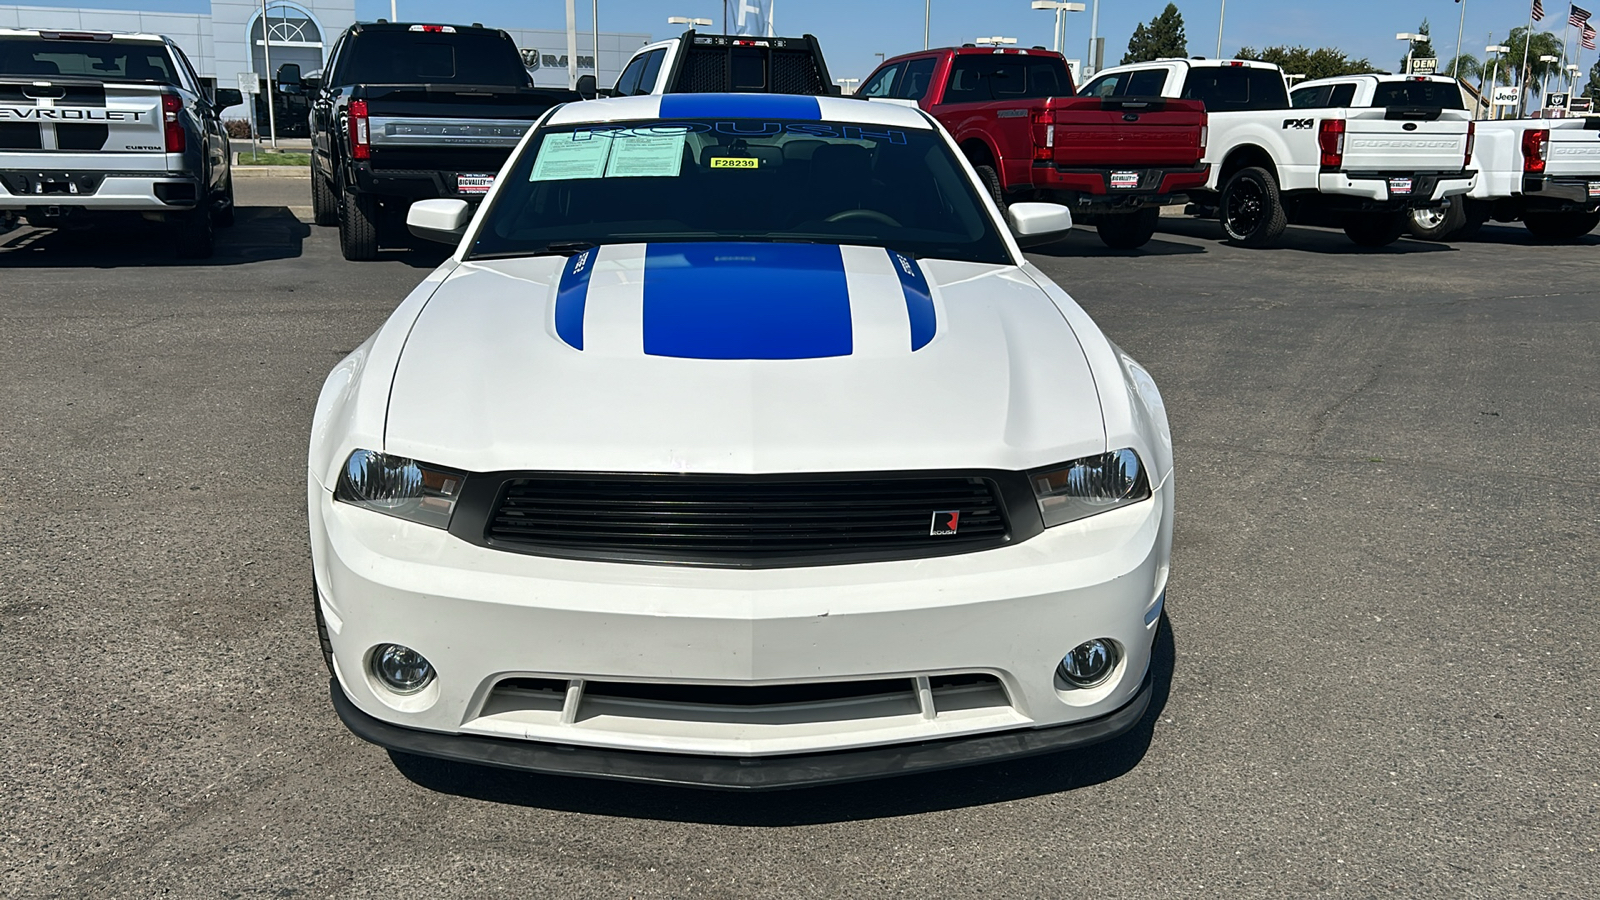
x,y
735,162
1594,188
1399,187
1124,180
474,184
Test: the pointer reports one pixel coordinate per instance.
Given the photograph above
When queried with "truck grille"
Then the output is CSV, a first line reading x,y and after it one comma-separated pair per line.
x,y
747,521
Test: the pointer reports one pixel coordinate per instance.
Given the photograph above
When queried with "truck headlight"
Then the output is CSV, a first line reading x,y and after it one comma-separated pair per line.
x,y
399,487
1089,486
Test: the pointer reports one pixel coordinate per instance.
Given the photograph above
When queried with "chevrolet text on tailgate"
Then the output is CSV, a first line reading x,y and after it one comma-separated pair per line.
x,y
1113,159
100,128
659,479
410,111
1363,169
1545,172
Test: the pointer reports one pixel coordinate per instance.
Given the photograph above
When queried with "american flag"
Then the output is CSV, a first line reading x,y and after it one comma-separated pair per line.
x,y
1588,36
1538,10
1579,17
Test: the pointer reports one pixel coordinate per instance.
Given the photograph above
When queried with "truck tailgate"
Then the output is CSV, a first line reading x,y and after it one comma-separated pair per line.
x,y
454,115
1090,132
1574,148
1405,139
66,116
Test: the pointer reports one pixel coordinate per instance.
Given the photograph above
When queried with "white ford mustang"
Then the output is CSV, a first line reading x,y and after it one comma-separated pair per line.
x,y
738,445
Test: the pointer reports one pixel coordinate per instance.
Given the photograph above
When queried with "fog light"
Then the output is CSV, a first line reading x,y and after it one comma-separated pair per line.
x,y
401,669
1089,663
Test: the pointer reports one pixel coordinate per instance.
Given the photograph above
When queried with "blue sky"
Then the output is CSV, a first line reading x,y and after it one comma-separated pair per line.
x,y
853,31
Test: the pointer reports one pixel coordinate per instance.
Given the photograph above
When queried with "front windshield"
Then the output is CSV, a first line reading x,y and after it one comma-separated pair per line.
x,y
738,180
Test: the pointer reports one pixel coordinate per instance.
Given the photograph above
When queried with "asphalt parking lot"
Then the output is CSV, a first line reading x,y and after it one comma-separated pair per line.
x,y
1378,679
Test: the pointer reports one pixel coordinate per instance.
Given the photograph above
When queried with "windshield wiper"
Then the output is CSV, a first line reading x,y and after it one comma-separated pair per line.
x,y
554,248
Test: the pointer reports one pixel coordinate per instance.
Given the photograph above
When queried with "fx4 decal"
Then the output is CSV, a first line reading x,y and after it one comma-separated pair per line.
x,y
1298,123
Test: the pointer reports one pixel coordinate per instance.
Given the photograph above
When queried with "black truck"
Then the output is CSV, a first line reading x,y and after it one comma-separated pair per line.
x,y
406,111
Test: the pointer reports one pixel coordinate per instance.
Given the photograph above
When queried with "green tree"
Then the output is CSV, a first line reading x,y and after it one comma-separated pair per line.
x,y
1593,88
1470,68
1523,60
1163,37
1323,62
1422,49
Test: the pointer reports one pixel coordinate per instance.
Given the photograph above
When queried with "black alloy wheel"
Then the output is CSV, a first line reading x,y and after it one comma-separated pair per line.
x,y
1251,210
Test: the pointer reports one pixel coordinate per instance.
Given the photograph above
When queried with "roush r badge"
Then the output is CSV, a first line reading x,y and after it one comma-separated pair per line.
x,y
945,522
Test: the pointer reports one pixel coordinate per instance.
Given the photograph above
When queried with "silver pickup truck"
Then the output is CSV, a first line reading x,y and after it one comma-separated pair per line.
x,y
96,127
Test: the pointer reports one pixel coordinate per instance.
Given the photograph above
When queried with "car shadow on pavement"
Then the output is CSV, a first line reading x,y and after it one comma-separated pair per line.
x,y
895,796
1518,236
1304,238
1084,242
258,233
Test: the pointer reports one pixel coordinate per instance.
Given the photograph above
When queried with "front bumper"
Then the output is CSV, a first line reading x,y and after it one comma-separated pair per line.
x,y
1372,190
66,191
740,773
484,616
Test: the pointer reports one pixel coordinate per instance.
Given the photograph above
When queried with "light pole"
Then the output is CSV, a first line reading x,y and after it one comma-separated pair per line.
x,y
1544,83
848,84
995,41
1572,79
1221,17
1411,43
594,23
1090,62
1061,9
1500,51
1455,70
927,17
266,54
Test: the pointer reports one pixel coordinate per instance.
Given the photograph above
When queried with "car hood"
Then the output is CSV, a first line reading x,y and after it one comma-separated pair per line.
x,y
741,358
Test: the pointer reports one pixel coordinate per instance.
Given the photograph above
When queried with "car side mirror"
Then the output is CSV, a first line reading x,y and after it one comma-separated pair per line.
x,y
289,75
444,221
226,97
1036,223
586,87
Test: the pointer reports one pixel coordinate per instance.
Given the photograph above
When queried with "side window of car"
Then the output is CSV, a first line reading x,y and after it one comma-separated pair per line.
x,y
628,82
1343,95
881,84
1104,86
1146,83
331,66
652,68
967,84
1310,98
914,83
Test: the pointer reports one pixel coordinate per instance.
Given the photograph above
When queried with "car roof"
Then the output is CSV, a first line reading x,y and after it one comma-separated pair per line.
x,y
1379,77
975,51
113,35
740,106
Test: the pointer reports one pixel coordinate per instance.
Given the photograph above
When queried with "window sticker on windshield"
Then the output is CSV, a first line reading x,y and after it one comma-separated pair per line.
x,y
735,162
639,155
566,156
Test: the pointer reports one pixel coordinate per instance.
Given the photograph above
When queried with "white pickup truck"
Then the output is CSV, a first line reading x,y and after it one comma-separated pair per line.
x,y
1363,169
96,126
1545,172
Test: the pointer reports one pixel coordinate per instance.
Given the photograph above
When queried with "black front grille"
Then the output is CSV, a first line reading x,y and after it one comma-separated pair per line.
x,y
750,521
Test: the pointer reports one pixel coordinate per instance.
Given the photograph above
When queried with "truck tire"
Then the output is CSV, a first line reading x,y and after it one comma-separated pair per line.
x,y
1129,231
223,218
1477,213
195,234
1438,224
1376,229
1251,209
358,226
324,208
991,181
1560,226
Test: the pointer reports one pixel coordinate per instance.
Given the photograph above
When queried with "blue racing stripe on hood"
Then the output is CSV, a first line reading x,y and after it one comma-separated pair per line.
x,y
746,301
572,295
919,299
740,106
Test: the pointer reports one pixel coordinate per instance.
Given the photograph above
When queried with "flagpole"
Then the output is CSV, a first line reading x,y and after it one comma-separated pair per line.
x,y
1456,69
1522,77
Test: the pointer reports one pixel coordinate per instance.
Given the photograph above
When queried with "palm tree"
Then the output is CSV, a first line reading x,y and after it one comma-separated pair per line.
x,y
1524,59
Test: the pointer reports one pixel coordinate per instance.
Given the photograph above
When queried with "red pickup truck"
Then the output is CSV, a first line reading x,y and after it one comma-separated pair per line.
x,y
1114,161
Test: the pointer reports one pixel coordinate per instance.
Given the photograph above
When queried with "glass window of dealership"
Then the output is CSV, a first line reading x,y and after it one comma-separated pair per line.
x,y
229,40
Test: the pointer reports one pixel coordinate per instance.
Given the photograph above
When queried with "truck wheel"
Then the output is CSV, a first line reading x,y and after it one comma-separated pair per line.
x,y
1251,210
1438,224
991,180
223,217
324,209
1560,226
196,235
1477,212
1129,231
358,226
1375,229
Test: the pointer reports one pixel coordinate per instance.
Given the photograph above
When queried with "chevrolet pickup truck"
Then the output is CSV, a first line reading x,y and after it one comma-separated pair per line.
x,y
404,112
1544,172
98,127
1271,163
695,63
1114,158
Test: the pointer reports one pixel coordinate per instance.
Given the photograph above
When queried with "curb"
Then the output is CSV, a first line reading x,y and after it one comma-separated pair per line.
x,y
272,171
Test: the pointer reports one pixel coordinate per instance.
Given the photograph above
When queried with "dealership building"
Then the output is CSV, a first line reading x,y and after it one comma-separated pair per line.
x,y
232,39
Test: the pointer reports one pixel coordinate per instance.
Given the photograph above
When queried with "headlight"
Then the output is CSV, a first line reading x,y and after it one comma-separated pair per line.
x,y
1089,486
399,487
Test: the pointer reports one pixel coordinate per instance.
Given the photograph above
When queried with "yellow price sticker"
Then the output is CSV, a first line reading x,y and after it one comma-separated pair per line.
x,y
735,162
